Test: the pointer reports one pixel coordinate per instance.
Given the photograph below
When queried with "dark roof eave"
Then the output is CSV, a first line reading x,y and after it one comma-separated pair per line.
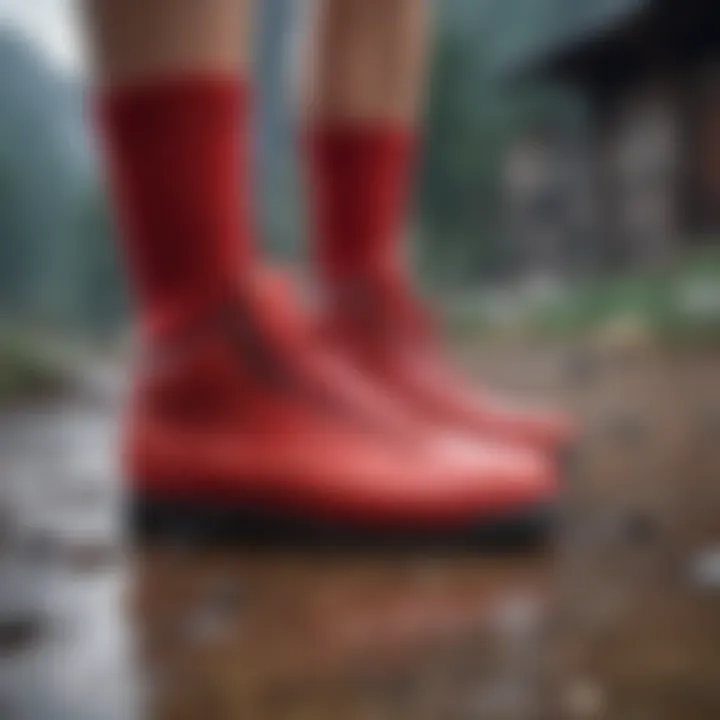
x,y
563,60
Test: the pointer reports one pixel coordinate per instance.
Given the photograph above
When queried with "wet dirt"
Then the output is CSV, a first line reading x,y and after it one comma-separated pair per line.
x,y
620,619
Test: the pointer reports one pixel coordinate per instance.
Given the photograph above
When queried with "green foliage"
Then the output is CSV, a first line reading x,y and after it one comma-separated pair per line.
x,y
680,304
56,260
24,373
682,301
471,123
99,298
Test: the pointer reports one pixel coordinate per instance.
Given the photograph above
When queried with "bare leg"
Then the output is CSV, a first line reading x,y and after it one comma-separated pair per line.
x,y
366,72
136,39
367,59
173,108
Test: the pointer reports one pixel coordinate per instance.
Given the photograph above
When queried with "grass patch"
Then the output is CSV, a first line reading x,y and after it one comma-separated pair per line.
x,y
24,372
679,304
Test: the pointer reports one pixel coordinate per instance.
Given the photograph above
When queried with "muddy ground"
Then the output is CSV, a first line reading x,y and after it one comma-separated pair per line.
x,y
620,619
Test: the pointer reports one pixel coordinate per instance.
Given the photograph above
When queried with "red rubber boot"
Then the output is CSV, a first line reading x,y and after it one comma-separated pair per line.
x,y
382,329
239,414
247,417
360,177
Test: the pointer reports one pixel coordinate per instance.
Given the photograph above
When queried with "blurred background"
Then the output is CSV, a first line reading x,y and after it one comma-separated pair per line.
x,y
568,221
571,149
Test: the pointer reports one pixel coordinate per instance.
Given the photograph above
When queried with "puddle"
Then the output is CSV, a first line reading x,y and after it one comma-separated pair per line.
x,y
276,635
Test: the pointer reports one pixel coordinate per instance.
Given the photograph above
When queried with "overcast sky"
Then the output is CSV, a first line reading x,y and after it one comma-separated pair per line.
x,y
52,24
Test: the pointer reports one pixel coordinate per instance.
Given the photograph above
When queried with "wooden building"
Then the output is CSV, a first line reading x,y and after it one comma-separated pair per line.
x,y
650,72
548,216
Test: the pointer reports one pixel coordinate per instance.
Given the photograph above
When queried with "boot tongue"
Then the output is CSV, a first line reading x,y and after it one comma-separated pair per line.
x,y
281,316
274,306
382,305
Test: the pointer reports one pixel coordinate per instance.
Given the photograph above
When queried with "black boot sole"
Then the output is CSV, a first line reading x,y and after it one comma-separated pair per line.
x,y
198,524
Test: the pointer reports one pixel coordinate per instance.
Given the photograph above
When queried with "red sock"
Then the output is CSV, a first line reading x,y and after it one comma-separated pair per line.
x,y
177,152
360,177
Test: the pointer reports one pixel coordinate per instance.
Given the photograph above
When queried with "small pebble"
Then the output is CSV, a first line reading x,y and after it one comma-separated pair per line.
x,y
39,547
629,431
582,366
584,700
214,617
92,556
519,617
18,632
641,528
705,570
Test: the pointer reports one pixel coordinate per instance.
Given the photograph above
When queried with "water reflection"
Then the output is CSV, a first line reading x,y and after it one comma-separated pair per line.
x,y
622,619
